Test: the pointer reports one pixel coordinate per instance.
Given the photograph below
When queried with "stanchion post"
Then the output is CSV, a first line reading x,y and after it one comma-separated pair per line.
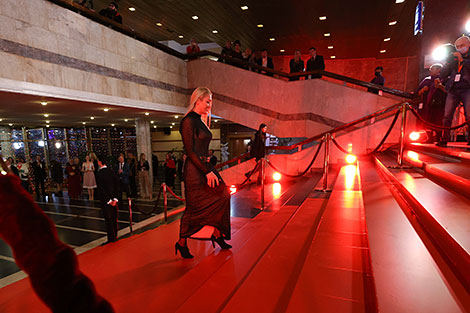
x,y
165,203
130,214
326,163
263,162
402,134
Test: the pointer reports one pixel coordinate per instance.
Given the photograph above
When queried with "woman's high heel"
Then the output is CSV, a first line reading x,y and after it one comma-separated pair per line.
x,y
184,251
220,241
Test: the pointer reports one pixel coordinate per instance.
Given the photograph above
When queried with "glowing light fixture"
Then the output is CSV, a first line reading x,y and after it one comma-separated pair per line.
x,y
440,53
1,119
413,155
195,17
126,120
215,121
330,47
277,176
233,189
47,122
414,136
180,36
147,113
282,50
260,25
383,51
349,177
173,124
351,159
277,190
151,122
244,7
10,124
16,145
176,116
46,115
44,103
215,31
92,117
272,39
84,123
399,1
392,23
155,126
159,24
132,9
387,39
327,34
322,18
106,109
333,57
112,125
58,145
41,143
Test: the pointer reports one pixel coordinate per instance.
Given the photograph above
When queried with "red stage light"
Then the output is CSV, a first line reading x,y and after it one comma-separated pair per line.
x,y
277,176
414,136
233,189
351,159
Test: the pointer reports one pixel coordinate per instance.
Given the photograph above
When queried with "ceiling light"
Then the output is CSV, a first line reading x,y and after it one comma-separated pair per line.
x,y
132,9
180,36
92,117
272,39
195,17
176,116
106,109
260,25
126,120
322,18
327,34
112,125
47,122
151,122
282,50
330,47
83,123
10,124
46,115
159,24
387,39
383,51
147,113
155,126
58,145
215,121
173,124
44,103
333,57
245,7
215,31
392,23
1,119
399,1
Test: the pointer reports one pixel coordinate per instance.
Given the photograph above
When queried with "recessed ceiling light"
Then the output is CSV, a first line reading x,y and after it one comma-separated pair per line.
x,y
333,57
92,117
1,119
44,103
399,1
83,123
106,109
392,23
322,18
215,121
132,9
195,17
383,51
112,125
10,124
215,31
387,39
155,126
47,122
173,124
272,39
180,36
245,7
126,120
330,47
46,115
159,24
260,25
151,122
327,34
176,116
147,113
282,50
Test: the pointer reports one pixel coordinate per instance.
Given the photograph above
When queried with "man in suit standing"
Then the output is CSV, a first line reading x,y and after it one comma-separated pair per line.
x,y
123,171
265,61
108,191
315,62
40,174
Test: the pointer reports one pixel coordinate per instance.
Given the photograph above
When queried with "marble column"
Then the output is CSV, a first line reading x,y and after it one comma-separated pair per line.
x,y
144,143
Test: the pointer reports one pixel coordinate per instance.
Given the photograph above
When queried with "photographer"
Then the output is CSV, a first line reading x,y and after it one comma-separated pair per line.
x,y
457,69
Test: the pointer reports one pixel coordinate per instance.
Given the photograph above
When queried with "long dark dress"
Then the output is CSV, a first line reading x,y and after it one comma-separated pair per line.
x,y
205,206
74,179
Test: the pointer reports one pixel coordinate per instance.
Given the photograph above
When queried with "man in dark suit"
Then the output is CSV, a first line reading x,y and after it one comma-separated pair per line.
x,y
212,158
315,62
132,174
123,171
265,61
40,174
108,191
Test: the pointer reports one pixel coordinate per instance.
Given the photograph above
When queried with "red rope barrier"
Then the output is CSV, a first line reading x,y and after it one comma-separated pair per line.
x,y
434,126
175,195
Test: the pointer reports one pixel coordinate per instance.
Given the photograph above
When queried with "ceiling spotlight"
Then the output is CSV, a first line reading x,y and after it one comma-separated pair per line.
x,y
387,39
195,17
159,24
126,120
245,7
282,50
215,121
155,126
260,25
330,47
1,119
176,116
46,115
112,125
173,124
272,39
106,109
47,122
392,23
327,34
180,36
83,123
147,113
10,124
383,51
322,18
399,1
215,31
151,122
132,9
92,117
333,57
44,103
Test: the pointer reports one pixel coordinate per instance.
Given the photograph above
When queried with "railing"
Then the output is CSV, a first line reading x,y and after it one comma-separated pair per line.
x,y
70,5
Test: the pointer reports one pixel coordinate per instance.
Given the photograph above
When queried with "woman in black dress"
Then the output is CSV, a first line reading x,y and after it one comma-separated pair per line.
x,y
207,196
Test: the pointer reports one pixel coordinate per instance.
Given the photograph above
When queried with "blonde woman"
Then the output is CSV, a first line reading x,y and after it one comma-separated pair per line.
x,y
207,196
89,181
143,169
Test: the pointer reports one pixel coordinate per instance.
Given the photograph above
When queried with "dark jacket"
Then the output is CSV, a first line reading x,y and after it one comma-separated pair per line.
x,y
108,185
39,171
258,146
315,64
115,16
296,67
124,176
269,65
451,69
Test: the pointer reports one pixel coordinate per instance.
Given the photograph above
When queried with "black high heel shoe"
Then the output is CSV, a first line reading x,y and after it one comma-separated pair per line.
x,y
184,251
220,241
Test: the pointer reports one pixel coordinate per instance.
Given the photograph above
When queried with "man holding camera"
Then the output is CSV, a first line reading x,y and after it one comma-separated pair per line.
x,y
457,69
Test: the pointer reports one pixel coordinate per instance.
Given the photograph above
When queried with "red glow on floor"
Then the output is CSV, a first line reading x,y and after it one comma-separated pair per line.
x,y
277,190
413,155
351,159
349,177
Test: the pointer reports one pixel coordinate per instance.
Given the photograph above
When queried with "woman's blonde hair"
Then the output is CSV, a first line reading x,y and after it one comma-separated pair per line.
x,y
198,93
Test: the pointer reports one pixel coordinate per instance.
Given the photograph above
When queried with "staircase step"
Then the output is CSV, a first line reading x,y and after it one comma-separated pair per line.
x,y
456,150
